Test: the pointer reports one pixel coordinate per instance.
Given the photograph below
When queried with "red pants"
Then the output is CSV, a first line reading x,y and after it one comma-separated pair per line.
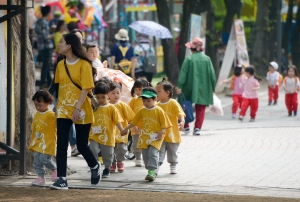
x,y
253,103
291,102
273,93
200,113
237,102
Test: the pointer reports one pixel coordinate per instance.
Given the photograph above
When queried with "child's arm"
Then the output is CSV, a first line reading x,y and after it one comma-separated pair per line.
x,y
119,126
256,88
226,80
160,134
125,130
182,122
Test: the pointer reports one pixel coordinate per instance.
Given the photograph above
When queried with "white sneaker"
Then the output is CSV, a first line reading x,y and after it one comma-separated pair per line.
x,y
233,116
197,131
138,163
252,120
173,170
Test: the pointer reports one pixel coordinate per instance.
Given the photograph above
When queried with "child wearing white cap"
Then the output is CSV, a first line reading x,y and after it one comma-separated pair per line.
x,y
273,78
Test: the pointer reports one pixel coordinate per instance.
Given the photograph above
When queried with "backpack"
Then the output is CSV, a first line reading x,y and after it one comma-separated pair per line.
x,y
295,79
124,65
149,62
232,82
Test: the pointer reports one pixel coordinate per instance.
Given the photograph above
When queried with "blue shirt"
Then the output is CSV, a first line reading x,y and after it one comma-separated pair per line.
x,y
115,51
42,32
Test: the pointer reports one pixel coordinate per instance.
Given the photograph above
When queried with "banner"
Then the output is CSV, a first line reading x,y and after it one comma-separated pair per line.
x,y
194,31
236,49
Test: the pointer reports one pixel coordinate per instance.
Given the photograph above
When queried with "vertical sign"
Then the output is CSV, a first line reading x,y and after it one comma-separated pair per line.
x,y
3,81
195,25
241,45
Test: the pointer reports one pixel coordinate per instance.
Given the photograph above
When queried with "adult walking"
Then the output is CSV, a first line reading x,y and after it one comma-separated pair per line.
x,y
197,81
74,75
122,53
142,49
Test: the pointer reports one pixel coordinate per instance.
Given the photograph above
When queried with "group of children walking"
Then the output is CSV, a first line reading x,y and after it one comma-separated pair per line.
x,y
154,117
245,84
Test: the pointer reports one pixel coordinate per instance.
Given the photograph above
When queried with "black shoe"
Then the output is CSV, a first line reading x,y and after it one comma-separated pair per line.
x,y
295,113
275,103
106,173
270,103
96,175
290,114
60,184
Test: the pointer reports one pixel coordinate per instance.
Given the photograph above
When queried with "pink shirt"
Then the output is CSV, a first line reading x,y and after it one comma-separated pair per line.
x,y
239,85
249,85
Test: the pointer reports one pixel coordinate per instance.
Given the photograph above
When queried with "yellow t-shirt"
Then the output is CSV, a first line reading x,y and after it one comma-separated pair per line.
x,y
173,110
68,93
150,121
43,137
127,115
135,104
103,129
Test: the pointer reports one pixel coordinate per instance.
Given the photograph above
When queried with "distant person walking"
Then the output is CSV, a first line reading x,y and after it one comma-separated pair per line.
x,y
197,81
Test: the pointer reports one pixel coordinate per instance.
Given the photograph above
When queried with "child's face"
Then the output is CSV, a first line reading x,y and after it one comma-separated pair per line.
x,y
41,106
247,74
93,53
114,95
102,99
138,91
291,72
162,95
148,102
271,68
243,70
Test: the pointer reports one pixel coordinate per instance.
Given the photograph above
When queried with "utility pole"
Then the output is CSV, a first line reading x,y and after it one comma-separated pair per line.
x,y
278,32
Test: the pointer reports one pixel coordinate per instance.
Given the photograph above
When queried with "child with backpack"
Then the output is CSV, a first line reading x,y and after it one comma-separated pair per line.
x,y
274,80
237,85
291,86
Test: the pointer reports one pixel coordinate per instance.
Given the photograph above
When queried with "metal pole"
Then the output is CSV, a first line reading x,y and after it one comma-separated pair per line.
x,y
278,32
23,105
9,79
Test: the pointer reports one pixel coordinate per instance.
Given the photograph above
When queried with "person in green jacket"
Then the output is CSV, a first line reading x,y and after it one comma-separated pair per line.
x,y
197,81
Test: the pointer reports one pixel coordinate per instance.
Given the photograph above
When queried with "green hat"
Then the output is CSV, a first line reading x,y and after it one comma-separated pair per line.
x,y
148,94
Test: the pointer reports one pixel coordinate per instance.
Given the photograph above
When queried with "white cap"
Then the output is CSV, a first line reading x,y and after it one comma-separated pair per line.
x,y
274,65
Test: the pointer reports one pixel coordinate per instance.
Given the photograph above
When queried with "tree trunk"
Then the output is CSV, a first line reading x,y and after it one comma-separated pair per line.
x,y
170,59
260,51
296,40
30,79
287,29
189,7
232,7
273,7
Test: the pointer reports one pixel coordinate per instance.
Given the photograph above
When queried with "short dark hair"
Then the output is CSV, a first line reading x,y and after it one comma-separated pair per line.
x,y
251,70
101,88
141,82
168,87
43,96
115,85
238,70
73,26
105,80
151,89
45,10
59,24
92,45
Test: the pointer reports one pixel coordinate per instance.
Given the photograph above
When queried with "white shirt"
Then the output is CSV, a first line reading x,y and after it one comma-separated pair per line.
x,y
273,78
290,84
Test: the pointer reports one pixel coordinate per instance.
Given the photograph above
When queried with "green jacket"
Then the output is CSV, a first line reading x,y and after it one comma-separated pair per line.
x,y
197,79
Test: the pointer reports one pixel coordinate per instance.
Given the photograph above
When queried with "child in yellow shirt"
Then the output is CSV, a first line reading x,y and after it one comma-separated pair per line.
x,y
174,111
127,115
153,123
102,134
136,104
43,137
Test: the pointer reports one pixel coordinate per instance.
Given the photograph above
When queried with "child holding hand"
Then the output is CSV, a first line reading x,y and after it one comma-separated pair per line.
x,y
153,123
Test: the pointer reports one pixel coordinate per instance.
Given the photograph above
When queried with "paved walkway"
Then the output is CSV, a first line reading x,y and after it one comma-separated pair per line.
x,y
260,158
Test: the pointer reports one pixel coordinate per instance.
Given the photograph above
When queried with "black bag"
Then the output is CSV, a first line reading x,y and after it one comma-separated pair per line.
x,y
95,104
149,62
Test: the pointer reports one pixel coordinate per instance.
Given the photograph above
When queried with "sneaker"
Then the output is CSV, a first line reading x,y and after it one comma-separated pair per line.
x,y
233,116
290,114
270,103
39,181
187,130
75,152
138,163
173,170
241,118
112,168
106,173
295,113
54,175
197,131
252,120
60,184
96,174
275,103
120,166
151,176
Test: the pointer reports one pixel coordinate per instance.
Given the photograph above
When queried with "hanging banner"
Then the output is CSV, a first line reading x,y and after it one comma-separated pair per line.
x,y
195,26
236,49
3,81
